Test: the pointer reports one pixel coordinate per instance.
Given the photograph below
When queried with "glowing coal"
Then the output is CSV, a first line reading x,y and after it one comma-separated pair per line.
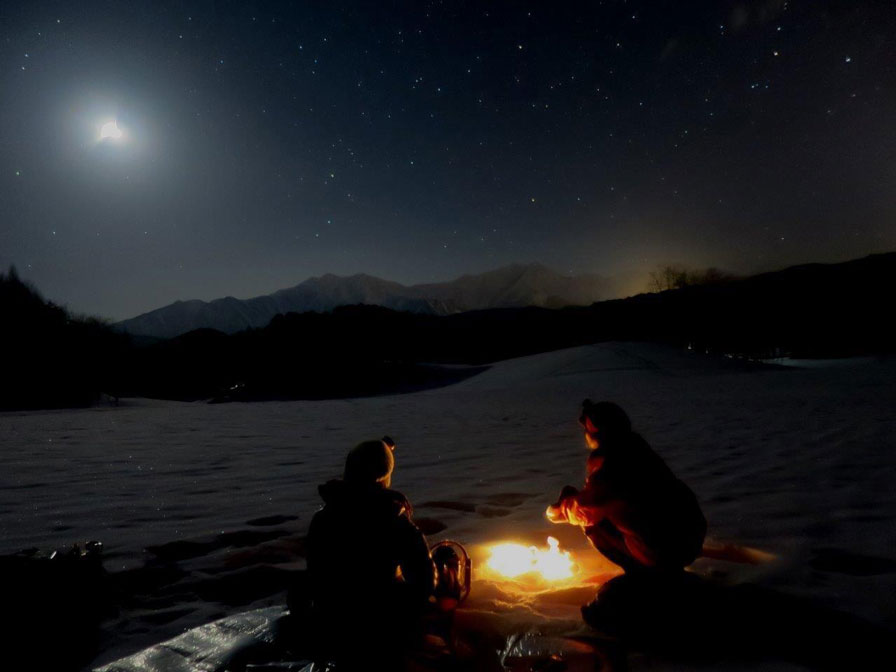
x,y
514,560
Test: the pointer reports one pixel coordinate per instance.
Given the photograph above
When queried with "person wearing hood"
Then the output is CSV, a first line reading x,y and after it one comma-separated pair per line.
x,y
370,573
632,509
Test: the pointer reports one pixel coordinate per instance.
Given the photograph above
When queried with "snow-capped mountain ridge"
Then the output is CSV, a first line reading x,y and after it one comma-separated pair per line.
x,y
512,286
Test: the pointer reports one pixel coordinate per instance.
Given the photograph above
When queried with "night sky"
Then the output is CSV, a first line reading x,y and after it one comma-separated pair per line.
x,y
417,141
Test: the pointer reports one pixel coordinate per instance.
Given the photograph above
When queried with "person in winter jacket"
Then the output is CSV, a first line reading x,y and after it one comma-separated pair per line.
x,y
370,574
632,509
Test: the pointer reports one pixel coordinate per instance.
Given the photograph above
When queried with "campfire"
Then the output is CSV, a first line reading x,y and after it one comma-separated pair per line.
x,y
512,560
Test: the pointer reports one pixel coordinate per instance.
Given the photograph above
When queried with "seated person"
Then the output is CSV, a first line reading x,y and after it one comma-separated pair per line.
x,y
632,509
370,574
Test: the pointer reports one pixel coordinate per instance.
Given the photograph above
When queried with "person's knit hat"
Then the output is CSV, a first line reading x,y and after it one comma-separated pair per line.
x,y
369,462
605,417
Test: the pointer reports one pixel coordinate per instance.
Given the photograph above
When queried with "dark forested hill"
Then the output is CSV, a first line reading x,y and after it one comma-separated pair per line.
x,y
815,310
50,358
807,311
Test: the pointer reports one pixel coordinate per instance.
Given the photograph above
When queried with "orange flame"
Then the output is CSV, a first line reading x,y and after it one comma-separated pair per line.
x,y
513,560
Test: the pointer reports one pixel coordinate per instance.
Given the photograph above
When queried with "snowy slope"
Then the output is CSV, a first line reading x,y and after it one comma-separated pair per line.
x,y
797,462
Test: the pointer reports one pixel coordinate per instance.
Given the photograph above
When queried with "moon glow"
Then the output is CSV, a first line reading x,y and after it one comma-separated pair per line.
x,y
110,130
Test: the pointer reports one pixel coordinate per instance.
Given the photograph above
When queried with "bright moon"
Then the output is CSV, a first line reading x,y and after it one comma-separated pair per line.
x,y
110,130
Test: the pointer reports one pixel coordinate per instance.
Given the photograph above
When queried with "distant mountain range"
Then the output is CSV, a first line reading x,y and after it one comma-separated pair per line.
x,y
807,311
514,286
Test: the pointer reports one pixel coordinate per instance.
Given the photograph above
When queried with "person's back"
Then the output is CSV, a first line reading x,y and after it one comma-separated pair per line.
x,y
658,512
370,573
357,542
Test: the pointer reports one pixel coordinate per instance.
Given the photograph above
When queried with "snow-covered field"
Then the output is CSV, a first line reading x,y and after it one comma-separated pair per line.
x,y
796,461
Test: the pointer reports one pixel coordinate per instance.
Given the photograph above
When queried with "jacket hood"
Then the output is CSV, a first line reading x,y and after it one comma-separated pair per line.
x,y
338,493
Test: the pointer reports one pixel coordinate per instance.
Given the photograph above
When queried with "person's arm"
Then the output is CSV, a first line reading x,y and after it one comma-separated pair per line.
x,y
313,542
416,564
579,507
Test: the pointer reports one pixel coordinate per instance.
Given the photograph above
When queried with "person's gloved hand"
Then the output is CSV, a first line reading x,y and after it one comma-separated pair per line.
x,y
566,492
556,512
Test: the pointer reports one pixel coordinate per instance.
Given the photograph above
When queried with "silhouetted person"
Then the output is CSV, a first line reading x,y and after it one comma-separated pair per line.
x,y
369,569
632,509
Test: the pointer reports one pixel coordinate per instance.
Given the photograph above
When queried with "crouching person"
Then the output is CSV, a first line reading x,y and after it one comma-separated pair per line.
x,y
370,574
632,508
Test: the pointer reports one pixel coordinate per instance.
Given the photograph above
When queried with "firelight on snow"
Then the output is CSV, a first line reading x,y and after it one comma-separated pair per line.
x,y
513,560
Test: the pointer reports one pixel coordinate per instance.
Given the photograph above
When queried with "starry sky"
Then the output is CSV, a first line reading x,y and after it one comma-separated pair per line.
x,y
263,143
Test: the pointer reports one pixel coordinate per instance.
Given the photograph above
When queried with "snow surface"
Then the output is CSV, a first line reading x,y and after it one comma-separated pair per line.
x,y
792,461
